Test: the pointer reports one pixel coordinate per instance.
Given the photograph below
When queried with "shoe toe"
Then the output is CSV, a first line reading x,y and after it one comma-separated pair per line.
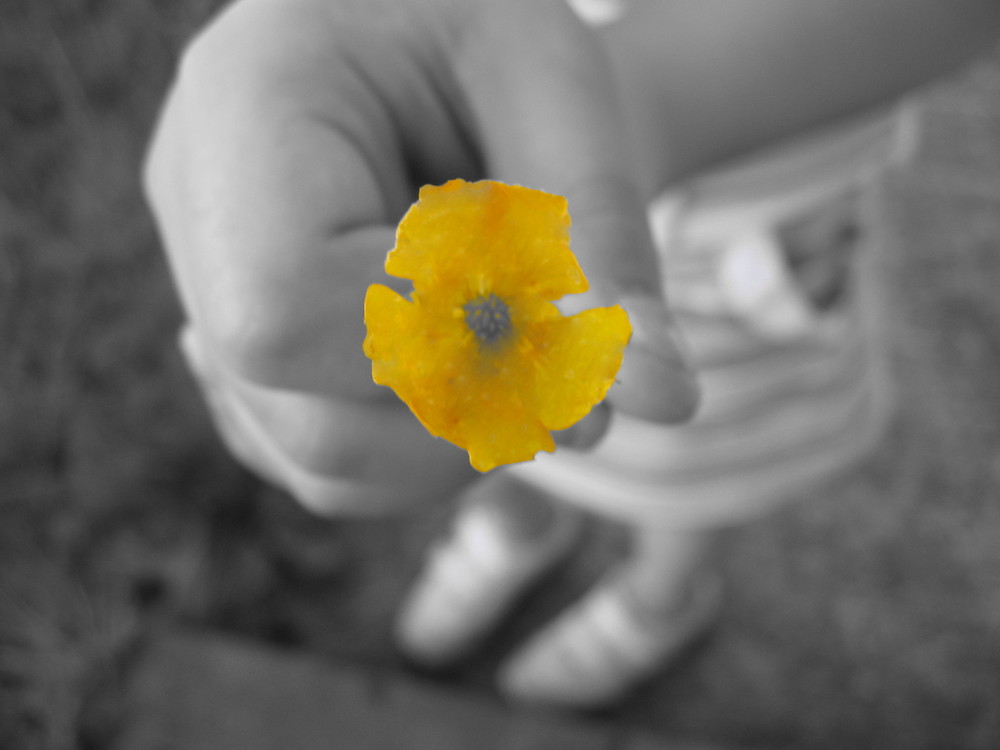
x,y
425,635
467,586
593,655
542,678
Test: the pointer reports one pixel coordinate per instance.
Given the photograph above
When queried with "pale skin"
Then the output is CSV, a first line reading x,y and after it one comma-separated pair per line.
x,y
294,139
704,82
298,131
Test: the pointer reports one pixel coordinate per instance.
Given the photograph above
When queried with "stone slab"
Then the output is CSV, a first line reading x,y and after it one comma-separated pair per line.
x,y
198,691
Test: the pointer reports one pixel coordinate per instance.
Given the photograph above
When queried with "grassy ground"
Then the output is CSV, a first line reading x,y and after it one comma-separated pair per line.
x,y
867,618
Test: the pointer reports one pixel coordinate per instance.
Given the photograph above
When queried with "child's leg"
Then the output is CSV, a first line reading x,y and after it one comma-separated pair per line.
x,y
522,513
664,566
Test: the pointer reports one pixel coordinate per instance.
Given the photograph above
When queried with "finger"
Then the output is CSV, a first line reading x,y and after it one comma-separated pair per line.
x,y
550,119
283,436
588,431
370,472
542,92
654,381
237,440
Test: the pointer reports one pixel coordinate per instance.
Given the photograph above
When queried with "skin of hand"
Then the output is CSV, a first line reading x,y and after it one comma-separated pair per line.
x,y
715,80
293,140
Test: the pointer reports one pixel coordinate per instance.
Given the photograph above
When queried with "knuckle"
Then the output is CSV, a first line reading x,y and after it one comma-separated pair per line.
x,y
251,346
321,442
332,458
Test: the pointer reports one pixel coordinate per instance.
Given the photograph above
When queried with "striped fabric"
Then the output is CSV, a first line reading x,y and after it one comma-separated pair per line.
x,y
771,270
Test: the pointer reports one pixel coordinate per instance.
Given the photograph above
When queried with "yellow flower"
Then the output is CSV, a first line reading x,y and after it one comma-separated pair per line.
x,y
479,352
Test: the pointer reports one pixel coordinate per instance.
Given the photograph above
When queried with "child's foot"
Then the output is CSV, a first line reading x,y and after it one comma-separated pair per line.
x,y
473,578
607,644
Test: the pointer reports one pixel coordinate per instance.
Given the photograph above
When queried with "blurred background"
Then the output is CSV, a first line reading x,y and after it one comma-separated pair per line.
x,y
866,618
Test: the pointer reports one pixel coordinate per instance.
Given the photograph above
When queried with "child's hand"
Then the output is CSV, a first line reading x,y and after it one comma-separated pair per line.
x,y
293,141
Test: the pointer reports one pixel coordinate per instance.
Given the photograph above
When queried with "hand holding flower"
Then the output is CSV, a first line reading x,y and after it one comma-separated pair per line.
x,y
480,354
288,150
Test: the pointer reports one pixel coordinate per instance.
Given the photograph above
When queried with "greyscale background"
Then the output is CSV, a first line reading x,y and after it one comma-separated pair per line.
x,y
150,587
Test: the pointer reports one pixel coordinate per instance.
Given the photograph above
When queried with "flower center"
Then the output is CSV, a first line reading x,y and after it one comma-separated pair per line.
x,y
488,317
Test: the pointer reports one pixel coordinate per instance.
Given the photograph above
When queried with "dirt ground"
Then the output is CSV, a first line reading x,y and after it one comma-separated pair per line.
x,y
868,617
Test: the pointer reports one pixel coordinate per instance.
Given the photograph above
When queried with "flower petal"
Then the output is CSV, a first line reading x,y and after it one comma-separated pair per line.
x,y
488,418
458,392
578,358
487,237
479,352
412,347
502,440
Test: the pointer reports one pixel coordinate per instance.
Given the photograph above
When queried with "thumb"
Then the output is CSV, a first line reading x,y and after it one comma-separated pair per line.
x,y
543,98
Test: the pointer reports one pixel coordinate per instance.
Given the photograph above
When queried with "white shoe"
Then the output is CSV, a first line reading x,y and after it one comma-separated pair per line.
x,y
604,646
471,581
